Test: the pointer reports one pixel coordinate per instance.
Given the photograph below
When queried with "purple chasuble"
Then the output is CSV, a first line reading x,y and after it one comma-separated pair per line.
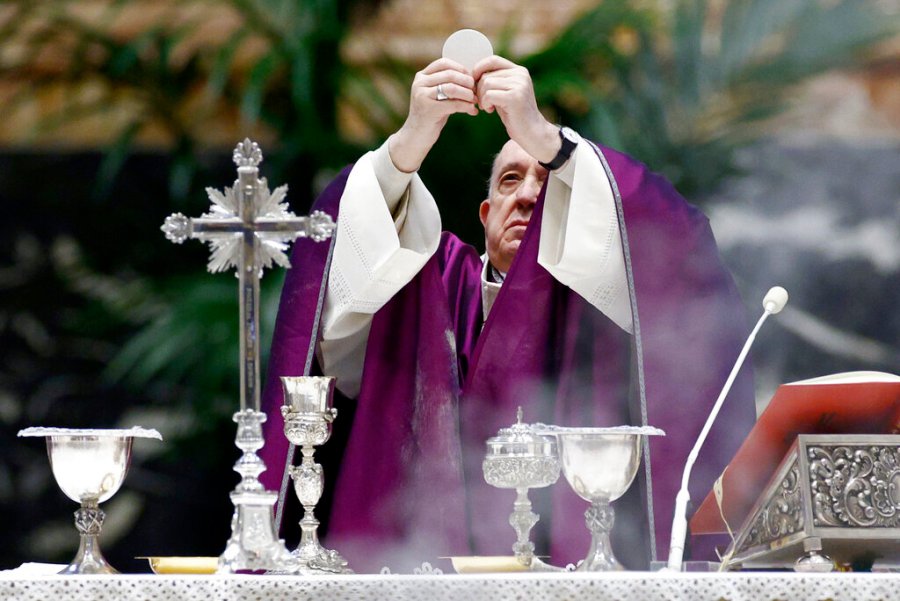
x,y
436,385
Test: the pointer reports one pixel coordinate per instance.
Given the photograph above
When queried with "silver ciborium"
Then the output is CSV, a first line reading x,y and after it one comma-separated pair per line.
x,y
600,464
308,415
89,466
521,459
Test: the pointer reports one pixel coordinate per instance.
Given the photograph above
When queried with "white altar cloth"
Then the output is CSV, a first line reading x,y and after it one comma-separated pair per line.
x,y
756,586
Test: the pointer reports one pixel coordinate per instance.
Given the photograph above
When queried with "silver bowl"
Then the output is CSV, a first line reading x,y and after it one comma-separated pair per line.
x,y
309,394
89,466
600,464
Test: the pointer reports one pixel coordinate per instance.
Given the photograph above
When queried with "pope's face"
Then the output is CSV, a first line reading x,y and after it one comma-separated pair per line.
x,y
516,181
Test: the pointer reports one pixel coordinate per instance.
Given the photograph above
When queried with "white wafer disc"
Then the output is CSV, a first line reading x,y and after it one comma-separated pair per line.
x,y
467,47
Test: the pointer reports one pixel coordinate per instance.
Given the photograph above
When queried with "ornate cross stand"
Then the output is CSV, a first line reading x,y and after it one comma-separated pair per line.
x,y
249,228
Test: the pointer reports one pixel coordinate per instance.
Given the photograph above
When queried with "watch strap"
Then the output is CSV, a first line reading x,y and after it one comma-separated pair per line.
x,y
565,151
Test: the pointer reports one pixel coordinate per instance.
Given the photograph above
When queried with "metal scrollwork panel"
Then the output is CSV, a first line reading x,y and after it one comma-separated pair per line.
x,y
782,515
309,483
304,432
855,487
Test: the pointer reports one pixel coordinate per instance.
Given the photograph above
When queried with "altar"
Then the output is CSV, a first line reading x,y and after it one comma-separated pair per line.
x,y
248,228
755,586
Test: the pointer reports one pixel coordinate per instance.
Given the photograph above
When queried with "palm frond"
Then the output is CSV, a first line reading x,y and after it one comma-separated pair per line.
x,y
696,85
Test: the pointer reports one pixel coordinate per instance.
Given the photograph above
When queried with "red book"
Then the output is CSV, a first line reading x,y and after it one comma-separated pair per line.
x,y
849,403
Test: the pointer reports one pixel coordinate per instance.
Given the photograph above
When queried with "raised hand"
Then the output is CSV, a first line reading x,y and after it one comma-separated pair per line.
x,y
505,87
442,88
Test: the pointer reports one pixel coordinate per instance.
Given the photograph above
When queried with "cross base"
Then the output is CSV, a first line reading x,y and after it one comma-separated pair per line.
x,y
253,544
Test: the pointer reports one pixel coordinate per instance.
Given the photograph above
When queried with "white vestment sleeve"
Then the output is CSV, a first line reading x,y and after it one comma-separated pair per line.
x,y
389,226
580,242
375,255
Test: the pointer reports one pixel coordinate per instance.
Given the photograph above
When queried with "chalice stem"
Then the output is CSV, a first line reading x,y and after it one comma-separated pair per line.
x,y
309,483
599,519
523,520
309,537
89,560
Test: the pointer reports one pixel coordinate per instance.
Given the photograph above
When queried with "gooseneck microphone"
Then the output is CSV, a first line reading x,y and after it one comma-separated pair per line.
x,y
773,303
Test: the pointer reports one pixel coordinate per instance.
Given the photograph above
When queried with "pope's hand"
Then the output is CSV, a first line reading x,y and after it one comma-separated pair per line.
x,y
429,110
506,87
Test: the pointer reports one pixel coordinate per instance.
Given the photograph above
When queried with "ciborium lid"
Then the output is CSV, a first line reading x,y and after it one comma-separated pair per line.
x,y
520,440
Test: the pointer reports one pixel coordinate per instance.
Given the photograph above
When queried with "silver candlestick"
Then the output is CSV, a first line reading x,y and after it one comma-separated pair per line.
x,y
308,415
254,544
519,458
249,228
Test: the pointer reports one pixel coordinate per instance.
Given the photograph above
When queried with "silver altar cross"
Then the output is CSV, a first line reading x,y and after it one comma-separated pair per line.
x,y
249,228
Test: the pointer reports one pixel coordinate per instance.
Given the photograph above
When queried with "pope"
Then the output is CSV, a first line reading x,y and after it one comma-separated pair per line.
x,y
601,300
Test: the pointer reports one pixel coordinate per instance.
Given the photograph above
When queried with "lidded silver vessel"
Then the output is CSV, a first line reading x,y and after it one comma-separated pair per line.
x,y
519,458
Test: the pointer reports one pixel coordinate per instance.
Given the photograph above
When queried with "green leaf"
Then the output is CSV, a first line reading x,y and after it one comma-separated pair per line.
x,y
255,89
749,26
114,158
222,65
687,34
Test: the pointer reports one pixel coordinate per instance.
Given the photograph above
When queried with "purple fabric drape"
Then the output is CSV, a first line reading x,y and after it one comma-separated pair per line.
x,y
436,386
294,339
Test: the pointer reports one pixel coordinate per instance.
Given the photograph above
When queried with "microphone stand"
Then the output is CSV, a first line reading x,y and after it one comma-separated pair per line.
x,y
773,302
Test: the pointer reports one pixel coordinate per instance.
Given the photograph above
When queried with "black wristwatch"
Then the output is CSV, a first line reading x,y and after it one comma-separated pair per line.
x,y
569,142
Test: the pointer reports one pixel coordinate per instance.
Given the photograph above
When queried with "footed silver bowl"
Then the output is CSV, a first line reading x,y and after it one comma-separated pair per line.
x,y
520,459
89,466
600,464
308,415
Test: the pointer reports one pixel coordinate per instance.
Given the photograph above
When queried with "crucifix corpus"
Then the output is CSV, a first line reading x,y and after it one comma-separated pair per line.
x,y
249,228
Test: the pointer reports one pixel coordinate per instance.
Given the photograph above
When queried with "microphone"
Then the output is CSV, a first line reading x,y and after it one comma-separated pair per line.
x,y
773,303
775,300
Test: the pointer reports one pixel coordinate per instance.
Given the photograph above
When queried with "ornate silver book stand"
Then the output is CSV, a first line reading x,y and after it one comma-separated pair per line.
x,y
249,228
835,499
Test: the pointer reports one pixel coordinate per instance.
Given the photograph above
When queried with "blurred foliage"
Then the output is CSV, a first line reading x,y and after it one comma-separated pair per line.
x,y
682,90
92,287
105,322
277,69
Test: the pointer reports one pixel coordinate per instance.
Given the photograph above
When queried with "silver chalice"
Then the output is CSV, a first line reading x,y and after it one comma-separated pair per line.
x,y
308,415
89,466
521,459
600,464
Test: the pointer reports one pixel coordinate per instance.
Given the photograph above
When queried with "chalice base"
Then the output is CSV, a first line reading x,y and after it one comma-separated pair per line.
x,y
324,561
89,559
313,558
600,558
538,565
